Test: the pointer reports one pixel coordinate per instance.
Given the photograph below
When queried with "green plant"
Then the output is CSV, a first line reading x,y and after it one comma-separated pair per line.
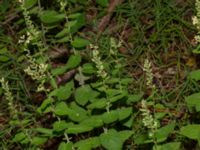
x,y
65,87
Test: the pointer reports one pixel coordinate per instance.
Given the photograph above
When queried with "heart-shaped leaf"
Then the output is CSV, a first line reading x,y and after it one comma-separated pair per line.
x,y
29,3
38,140
61,125
63,92
111,141
83,94
163,132
191,131
80,43
88,144
61,109
65,146
51,16
195,75
124,113
168,146
110,117
193,101
75,129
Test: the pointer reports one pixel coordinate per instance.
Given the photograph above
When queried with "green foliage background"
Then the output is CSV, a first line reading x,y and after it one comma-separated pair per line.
x,y
68,87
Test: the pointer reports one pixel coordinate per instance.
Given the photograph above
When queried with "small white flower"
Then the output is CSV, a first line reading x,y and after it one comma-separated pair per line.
x,y
99,64
148,119
149,73
197,38
41,88
20,1
21,39
9,97
195,20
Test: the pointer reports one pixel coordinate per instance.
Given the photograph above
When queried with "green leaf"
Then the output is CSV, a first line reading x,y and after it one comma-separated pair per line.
x,y
82,94
25,141
163,132
25,122
93,121
3,8
118,97
90,143
193,101
159,115
102,3
73,62
111,141
113,81
126,81
76,116
63,40
47,102
74,106
80,43
141,138
65,146
76,21
61,109
168,146
75,129
62,33
191,131
29,3
129,122
63,92
59,70
85,147
134,98
88,68
4,58
75,15
3,50
98,104
113,92
38,140
51,16
109,117
48,109
61,125
19,137
124,135
4,55
124,113
53,83
94,95
79,22
46,131
195,75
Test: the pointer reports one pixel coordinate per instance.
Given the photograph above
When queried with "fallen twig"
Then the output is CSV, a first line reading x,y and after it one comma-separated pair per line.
x,y
106,19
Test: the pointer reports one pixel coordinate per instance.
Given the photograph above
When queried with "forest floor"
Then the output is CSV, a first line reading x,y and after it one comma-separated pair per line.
x,y
160,31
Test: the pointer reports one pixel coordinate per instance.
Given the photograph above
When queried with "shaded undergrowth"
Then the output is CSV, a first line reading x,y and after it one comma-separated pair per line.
x,y
94,83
